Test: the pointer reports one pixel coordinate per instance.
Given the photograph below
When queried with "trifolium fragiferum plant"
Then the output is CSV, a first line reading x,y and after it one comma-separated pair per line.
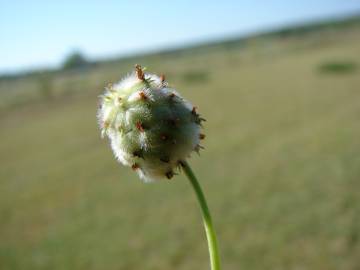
x,y
150,126
153,130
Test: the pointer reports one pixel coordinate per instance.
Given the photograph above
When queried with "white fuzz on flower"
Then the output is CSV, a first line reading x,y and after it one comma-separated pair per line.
x,y
150,126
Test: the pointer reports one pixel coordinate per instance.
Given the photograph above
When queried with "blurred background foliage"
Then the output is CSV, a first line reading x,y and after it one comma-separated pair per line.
x,y
281,166
75,61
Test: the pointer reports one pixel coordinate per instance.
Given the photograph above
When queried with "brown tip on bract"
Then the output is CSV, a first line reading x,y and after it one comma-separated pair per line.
x,y
135,166
197,148
142,95
162,78
181,163
106,124
164,137
139,126
193,111
169,174
172,97
139,72
138,153
201,136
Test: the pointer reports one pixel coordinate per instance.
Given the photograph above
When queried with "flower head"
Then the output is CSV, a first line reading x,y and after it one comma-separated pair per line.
x,y
150,126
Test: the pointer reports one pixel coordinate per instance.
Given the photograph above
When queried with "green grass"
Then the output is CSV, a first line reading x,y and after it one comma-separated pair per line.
x,y
281,167
340,67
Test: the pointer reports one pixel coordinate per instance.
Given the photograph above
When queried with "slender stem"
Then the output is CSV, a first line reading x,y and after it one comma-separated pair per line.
x,y
209,228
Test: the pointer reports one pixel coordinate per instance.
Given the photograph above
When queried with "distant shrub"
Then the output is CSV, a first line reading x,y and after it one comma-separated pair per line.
x,y
74,61
340,67
195,76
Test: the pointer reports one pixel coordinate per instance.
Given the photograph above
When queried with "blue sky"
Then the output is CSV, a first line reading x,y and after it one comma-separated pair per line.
x,y
41,33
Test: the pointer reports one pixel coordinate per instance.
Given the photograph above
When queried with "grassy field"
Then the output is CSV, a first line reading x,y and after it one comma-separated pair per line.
x,y
281,167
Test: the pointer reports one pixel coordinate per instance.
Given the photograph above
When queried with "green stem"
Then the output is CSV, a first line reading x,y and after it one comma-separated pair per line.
x,y
209,228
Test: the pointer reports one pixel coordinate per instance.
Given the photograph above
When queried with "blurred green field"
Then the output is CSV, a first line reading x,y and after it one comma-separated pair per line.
x,y
281,167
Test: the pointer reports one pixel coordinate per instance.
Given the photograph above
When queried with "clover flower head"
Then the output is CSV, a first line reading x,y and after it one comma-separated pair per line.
x,y
150,126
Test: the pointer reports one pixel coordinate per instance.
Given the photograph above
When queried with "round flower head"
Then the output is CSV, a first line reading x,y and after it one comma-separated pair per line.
x,y
150,126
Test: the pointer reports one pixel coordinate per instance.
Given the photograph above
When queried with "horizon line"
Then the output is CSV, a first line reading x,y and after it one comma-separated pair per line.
x,y
212,40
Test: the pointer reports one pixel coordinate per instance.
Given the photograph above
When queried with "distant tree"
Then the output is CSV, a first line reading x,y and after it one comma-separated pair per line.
x,y
75,60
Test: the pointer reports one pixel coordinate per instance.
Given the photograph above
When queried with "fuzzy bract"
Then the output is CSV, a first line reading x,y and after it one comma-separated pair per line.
x,y
150,126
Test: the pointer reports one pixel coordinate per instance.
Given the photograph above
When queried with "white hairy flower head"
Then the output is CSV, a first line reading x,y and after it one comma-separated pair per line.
x,y
150,126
